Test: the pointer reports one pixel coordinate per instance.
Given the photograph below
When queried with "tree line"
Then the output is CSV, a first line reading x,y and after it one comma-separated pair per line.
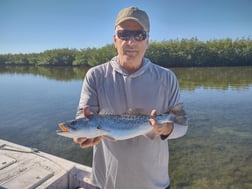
x,y
168,53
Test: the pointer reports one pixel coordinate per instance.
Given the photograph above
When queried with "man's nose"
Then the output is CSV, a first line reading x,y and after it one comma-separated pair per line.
x,y
131,39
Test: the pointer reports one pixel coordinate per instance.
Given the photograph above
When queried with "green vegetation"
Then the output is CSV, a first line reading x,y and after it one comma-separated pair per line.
x,y
172,53
61,57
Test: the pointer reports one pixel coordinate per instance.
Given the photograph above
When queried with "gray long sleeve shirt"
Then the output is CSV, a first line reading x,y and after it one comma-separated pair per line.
x,y
140,162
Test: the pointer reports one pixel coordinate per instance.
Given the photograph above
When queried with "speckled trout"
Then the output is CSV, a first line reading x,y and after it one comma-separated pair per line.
x,y
117,127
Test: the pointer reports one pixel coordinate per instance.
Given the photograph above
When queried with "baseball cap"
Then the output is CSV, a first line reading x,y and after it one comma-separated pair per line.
x,y
134,13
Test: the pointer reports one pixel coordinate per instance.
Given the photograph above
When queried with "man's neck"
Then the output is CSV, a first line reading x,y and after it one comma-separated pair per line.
x,y
131,66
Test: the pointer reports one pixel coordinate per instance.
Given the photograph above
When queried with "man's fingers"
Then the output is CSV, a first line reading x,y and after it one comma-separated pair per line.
x,y
83,142
86,111
161,129
79,140
153,112
152,122
97,140
75,140
87,142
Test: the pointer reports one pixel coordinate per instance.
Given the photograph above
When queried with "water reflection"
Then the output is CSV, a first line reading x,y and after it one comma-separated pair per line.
x,y
215,153
214,77
189,78
55,73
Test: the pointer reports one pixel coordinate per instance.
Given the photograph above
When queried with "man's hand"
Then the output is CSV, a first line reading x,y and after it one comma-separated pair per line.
x,y
161,129
87,142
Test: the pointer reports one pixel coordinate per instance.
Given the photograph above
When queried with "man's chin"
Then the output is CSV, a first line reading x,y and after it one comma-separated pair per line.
x,y
131,54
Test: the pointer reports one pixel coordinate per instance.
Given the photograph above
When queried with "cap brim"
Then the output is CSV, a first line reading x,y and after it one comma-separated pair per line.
x,y
131,18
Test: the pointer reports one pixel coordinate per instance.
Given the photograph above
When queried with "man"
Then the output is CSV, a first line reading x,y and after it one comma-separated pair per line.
x,y
131,82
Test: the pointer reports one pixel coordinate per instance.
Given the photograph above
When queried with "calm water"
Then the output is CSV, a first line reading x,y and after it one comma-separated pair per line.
x,y
216,152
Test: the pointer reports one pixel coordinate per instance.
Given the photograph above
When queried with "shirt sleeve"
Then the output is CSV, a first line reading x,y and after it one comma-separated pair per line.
x,y
88,97
176,107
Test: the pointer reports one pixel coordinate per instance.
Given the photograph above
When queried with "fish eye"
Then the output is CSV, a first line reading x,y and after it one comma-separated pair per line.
x,y
98,127
73,122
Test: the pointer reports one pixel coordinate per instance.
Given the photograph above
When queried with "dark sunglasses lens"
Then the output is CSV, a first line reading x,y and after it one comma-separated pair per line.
x,y
126,34
140,35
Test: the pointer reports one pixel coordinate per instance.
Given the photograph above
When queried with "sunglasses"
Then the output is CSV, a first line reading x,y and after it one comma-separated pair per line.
x,y
139,35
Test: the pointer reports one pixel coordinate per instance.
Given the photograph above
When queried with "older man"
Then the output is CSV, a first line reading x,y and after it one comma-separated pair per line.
x,y
131,82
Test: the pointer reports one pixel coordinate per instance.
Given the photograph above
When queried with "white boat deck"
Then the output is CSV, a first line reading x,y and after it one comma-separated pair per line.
x,y
27,168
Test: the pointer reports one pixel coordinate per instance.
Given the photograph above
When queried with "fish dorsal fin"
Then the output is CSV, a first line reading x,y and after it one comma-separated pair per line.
x,y
177,109
136,111
106,112
179,114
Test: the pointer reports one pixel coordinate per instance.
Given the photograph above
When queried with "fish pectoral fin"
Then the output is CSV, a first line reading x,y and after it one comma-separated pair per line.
x,y
102,131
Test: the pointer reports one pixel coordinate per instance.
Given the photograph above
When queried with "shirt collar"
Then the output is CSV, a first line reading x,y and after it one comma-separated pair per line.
x,y
118,68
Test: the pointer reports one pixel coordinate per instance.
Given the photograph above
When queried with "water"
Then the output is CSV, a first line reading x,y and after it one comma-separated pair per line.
x,y
215,153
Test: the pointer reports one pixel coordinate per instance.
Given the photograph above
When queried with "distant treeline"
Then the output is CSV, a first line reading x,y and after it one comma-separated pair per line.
x,y
170,53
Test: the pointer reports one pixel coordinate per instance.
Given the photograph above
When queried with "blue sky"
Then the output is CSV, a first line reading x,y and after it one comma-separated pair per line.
x,y
36,25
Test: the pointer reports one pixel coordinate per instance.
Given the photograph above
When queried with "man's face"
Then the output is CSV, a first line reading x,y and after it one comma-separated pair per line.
x,y
131,49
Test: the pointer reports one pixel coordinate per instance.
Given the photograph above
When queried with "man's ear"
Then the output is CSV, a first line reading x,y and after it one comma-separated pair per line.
x,y
147,43
115,41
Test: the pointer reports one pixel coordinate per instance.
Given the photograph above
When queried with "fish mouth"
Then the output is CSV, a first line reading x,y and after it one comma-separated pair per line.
x,y
63,128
